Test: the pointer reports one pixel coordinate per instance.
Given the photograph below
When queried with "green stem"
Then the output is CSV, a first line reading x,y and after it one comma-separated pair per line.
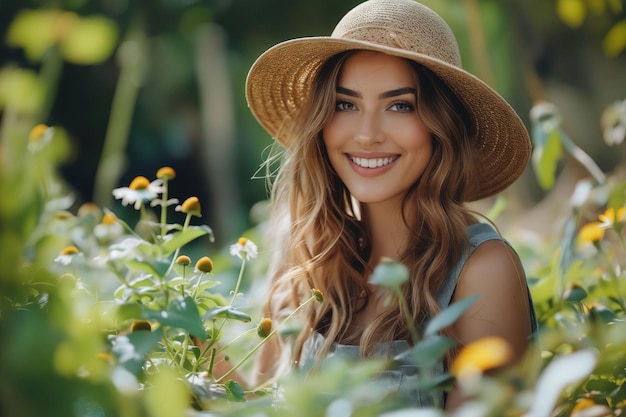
x,y
131,56
184,351
235,339
171,353
614,278
177,251
239,278
164,198
407,316
50,72
262,342
237,285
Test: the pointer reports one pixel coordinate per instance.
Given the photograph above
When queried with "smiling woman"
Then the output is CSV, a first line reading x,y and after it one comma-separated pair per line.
x,y
385,138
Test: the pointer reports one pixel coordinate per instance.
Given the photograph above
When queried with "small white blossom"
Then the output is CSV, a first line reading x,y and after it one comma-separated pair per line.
x,y
139,192
40,136
125,247
68,255
244,249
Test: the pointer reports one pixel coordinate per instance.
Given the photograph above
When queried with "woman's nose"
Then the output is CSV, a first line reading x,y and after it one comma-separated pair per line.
x,y
369,130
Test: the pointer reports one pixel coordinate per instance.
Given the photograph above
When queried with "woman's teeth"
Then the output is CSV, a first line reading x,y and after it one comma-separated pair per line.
x,y
372,162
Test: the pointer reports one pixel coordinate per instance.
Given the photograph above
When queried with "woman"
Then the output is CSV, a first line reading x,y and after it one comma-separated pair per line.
x,y
385,138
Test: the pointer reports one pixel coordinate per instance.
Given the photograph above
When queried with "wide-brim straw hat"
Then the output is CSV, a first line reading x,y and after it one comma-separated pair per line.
x,y
280,81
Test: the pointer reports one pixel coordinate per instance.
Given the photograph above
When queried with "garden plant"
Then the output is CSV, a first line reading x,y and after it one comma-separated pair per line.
x,y
110,315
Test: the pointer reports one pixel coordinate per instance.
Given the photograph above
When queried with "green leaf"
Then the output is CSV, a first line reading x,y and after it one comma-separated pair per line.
x,y
227,312
131,349
546,158
129,311
390,274
575,293
430,350
152,266
182,313
600,385
234,392
449,315
180,239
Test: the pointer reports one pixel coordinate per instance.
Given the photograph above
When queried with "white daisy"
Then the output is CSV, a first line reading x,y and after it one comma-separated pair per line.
x,y
244,249
140,191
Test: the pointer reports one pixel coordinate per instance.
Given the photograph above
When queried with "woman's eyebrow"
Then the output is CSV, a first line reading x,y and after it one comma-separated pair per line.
x,y
386,94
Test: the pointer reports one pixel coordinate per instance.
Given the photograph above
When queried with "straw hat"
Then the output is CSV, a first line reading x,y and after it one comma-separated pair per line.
x,y
280,81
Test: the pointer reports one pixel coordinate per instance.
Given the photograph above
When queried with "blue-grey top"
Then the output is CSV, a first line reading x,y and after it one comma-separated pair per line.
x,y
404,377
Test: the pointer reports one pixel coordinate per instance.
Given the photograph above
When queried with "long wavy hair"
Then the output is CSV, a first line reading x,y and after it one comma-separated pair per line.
x,y
321,241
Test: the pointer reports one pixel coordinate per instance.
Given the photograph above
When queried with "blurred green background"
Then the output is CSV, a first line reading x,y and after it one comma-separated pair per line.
x,y
191,60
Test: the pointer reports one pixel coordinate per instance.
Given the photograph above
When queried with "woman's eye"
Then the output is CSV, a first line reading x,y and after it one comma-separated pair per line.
x,y
344,106
402,107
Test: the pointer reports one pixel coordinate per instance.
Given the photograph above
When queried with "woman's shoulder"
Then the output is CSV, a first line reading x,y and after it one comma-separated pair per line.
x,y
492,244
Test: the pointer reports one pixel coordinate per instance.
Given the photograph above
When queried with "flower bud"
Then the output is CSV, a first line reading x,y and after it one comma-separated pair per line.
x,y
183,260
191,206
140,325
166,173
205,264
264,328
319,297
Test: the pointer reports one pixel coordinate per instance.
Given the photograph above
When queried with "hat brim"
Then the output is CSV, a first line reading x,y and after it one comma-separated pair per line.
x,y
281,79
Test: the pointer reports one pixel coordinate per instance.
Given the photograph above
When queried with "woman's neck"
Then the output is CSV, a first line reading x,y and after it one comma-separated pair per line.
x,y
388,233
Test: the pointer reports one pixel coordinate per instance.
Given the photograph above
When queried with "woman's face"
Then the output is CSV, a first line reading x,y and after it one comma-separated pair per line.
x,y
375,141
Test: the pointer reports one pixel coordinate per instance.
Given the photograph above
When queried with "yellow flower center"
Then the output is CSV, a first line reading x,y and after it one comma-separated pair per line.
x,y
139,183
109,219
166,173
63,215
37,132
183,260
191,206
204,264
70,250
242,241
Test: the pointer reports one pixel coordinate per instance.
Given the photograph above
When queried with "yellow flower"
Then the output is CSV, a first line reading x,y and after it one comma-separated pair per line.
x,y
481,355
594,231
183,260
609,218
166,173
582,403
264,328
205,264
591,232
190,206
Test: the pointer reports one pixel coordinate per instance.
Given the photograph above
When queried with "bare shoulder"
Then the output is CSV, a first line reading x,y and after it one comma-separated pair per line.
x,y
495,273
